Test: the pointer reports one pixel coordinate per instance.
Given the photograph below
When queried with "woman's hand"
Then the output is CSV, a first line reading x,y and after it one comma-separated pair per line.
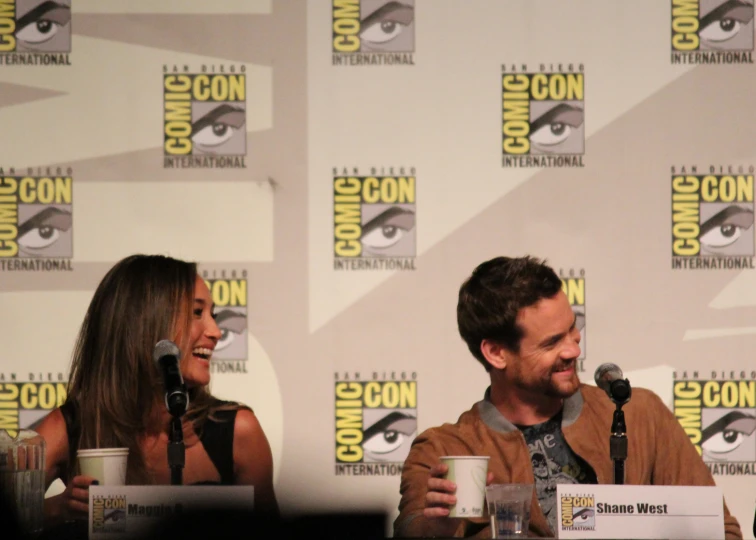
x,y
73,503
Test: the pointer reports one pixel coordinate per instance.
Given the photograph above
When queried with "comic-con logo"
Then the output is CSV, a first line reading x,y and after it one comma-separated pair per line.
x,y
35,32
24,404
712,220
373,32
543,116
374,219
574,288
204,117
109,513
712,31
376,422
578,513
36,222
719,417
228,291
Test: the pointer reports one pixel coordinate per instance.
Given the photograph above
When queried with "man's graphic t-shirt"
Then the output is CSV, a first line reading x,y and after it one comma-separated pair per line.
x,y
553,463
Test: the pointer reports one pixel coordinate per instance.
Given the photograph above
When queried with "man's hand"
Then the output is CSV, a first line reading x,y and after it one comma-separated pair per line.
x,y
439,498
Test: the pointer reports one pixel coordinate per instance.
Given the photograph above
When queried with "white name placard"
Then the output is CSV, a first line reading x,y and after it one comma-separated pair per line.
x,y
128,511
611,511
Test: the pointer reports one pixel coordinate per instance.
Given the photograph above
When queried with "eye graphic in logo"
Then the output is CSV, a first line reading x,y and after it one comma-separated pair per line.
x,y
388,230
557,127
43,26
114,514
388,27
217,128
232,344
389,435
583,517
726,229
726,25
728,435
44,231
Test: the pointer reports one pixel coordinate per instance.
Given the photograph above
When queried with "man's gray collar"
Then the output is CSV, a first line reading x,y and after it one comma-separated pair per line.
x,y
497,422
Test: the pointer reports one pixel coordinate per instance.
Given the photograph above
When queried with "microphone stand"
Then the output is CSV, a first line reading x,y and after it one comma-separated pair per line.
x,y
176,451
618,444
177,403
609,378
167,356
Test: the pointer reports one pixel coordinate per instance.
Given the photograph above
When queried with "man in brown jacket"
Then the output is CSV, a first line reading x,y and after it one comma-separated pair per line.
x,y
537,422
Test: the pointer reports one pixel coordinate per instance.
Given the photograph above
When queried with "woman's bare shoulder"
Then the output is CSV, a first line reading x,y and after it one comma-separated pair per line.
x,y
53,430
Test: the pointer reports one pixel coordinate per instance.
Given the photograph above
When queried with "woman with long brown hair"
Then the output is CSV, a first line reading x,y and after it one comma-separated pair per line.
x,y
116,396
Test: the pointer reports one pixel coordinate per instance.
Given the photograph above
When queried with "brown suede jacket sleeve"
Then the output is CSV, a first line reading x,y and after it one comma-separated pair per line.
x,y
468,437
425,453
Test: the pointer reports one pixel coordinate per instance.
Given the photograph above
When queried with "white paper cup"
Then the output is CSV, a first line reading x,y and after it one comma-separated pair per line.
x,y
469,473
107,465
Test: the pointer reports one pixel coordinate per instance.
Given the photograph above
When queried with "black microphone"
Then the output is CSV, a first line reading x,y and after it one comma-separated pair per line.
x,y
608,377
166,356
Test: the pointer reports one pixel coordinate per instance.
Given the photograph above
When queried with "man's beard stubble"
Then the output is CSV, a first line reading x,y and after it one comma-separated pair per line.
x,y
548,387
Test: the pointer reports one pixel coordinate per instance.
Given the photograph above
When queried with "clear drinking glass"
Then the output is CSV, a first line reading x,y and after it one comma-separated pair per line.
x,y
22,477
509,508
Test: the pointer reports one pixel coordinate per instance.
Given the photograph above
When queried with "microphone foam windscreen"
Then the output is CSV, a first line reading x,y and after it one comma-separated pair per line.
x,y
165,347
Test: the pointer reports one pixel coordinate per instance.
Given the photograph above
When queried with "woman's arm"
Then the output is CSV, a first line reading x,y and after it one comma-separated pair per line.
x,y
253,461
74,501
53,430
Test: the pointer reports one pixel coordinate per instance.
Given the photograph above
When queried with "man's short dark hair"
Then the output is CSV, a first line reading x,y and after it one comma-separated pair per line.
x,y
494,294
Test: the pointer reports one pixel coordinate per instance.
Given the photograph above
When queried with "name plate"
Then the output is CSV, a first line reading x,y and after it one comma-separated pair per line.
x,y
129,511
611,511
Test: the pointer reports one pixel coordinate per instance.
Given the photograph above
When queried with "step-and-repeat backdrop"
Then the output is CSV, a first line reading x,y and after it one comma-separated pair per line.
x,y
338,168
